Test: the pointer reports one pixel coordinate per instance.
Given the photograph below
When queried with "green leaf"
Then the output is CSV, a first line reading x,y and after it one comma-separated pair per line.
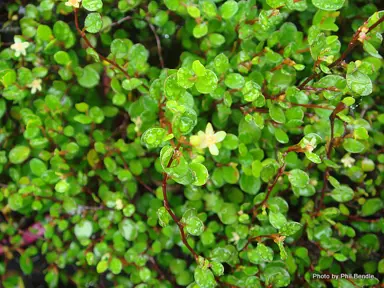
x,y
89,77
228,213
3,108
83,119
328,5
185,78
200,30
93,23
61,30
229,9
62,57
217,268
129,210
172,4
208,8
171,89
216,40
234,81
298,178
83,230
92,5
207,83
194,226
119,99
360,133
250,184
198,68
110,164
163,216
276,3
44,32
371,50
102,266
281,136
221,63
277,114
19,154
265,253
380,267
37,166
277,220
115,266
313,157
200,172
96,114
145,274
359,83
290,228
342,193
204,278
128,229
82,107
193,11
353,146
306,191
15,202
26,264
138,54
251,91
120,47
372,206
231,174
153,137
131,84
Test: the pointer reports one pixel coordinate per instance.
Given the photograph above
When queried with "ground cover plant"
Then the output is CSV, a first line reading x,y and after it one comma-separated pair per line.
x,y
191,143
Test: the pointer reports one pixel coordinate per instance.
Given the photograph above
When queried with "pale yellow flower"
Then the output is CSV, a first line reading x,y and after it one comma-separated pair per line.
x,y
119,204
20,47
309,145
209,139
347,161
139,122
35,86
362,34
73,3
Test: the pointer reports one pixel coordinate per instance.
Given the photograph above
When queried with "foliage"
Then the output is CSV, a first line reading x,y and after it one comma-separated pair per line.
x,y
191,143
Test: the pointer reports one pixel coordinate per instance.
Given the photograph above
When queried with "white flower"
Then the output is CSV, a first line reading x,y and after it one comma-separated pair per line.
x,y
138,123
209,139
235,237
19,47
119,204
362,35
347,161
309,145
73,3
35,86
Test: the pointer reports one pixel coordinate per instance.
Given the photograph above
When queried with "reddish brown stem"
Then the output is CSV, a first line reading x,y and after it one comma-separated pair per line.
x,y
357,218
253,109
86,40
259,238
119,22
325,186
312,106
270,188
174,217
341,106
354,42
310,88
158,43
